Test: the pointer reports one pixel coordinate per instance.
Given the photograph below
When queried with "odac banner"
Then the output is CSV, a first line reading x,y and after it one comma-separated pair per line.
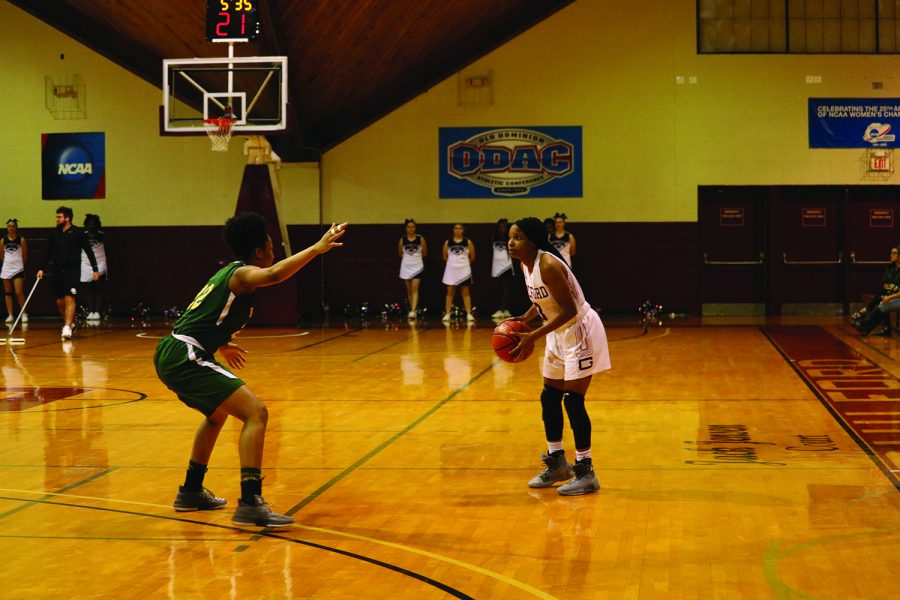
x,y
497,162
854,122
73,165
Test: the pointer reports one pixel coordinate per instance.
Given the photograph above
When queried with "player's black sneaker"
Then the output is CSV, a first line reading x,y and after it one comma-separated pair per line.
x,y
259,514
557,470
202,500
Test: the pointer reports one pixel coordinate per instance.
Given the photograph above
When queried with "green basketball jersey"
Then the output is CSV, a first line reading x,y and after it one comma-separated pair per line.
x,y
216,314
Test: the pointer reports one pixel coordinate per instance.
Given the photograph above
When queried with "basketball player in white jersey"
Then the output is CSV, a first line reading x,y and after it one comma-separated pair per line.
x,y
576,350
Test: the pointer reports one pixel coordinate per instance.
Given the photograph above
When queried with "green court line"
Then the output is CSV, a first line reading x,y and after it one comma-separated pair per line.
x,y
386,347
71,486
327,485
776,551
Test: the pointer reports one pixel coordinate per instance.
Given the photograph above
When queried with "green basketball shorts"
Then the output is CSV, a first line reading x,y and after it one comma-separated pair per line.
x,y
195,376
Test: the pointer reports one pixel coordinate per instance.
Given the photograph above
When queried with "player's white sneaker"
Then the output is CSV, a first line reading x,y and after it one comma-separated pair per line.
x,y
470,318
66,332
94,316
506,314
9,319
498,314
584,482
446,318
411,316
557,469
24,317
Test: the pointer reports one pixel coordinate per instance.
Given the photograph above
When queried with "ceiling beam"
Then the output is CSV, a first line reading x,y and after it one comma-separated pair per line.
x,y
416,82
290,147
107,42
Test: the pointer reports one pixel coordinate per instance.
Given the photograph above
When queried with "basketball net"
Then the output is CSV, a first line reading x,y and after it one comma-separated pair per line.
x,y
219,131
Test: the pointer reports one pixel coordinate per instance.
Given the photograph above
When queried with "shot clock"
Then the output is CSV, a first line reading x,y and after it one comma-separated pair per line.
x,y
232,20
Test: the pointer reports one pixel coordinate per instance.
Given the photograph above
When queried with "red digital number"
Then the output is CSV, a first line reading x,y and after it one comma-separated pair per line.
x,y
224,23
243,23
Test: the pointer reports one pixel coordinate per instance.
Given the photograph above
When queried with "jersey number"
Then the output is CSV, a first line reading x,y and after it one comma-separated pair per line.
x,y
203,294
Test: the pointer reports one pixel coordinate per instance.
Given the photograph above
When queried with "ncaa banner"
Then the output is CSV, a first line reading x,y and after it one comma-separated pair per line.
x,y
504,162
854,122
73,165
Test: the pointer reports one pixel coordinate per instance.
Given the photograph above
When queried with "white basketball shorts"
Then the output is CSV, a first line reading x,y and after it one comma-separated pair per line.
x,y
577,351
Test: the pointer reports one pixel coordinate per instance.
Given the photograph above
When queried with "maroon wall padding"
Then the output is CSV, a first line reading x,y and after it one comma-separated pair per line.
x,y
274,305
619,265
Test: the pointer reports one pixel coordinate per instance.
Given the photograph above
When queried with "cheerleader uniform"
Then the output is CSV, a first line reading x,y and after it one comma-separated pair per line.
x,y
96,243
458,270
562,246
501,265
13,264
578,348
411,265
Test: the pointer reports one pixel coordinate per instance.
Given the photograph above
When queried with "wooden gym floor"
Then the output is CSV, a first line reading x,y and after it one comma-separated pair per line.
x,y
739,459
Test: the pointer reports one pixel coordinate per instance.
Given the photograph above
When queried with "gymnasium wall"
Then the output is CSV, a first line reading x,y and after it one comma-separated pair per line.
x,y
151,180
609,67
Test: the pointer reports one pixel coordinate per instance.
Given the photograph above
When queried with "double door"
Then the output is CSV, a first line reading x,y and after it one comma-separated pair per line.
x,y
794,249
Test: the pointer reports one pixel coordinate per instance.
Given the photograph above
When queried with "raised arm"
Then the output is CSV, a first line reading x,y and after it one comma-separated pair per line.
x,y
248,278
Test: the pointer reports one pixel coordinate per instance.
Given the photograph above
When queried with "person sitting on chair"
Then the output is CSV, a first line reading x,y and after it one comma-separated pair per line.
x,y
885,301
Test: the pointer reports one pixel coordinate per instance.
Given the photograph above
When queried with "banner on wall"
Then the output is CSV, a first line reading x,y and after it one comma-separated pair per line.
x,y
73,165
504,162
854,122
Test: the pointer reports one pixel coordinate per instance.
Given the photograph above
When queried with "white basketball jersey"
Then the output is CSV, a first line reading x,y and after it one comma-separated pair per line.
x,y
546,305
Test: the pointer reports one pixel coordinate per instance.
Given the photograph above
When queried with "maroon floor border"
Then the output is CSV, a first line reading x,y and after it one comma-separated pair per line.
x,y
860,395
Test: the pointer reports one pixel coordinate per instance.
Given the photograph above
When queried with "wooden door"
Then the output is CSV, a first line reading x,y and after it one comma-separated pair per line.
x,y
807,271
732,242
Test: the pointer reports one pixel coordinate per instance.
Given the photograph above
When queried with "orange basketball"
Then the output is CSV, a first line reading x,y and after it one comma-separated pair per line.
x,y
505,339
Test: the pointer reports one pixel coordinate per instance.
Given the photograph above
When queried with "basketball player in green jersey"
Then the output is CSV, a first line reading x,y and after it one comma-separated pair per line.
x,y
185,362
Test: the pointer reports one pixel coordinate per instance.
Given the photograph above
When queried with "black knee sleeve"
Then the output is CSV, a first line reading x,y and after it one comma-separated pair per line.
x,y
552,413
578,419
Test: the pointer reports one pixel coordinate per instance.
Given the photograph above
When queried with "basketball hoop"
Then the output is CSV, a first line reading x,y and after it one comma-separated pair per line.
x,y
219,131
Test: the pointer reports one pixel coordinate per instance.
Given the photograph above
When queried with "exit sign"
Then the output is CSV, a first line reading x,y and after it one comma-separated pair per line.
x,y
880,163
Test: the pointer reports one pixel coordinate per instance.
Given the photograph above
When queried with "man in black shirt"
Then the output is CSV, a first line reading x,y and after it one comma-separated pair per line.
x,y
64,251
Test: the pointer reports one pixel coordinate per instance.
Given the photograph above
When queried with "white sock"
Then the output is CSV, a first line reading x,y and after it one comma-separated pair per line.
x,y
554,446
582,454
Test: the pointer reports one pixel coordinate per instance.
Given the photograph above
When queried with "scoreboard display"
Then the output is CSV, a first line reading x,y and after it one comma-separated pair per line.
x,y
232,20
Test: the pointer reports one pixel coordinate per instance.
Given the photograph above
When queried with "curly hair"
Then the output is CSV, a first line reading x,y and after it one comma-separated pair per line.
x,y
244,233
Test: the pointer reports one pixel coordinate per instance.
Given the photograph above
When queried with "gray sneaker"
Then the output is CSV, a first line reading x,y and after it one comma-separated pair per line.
x,y
557,470
259,514
202,500
584,482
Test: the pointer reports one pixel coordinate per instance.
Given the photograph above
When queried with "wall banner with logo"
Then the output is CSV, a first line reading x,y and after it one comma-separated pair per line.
x,y
510,162
73,165
854,122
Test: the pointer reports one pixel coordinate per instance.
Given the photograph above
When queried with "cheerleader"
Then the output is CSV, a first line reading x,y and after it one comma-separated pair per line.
x,y
458,253
576,349
562,240
502,268
412,250
15,254
93,290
